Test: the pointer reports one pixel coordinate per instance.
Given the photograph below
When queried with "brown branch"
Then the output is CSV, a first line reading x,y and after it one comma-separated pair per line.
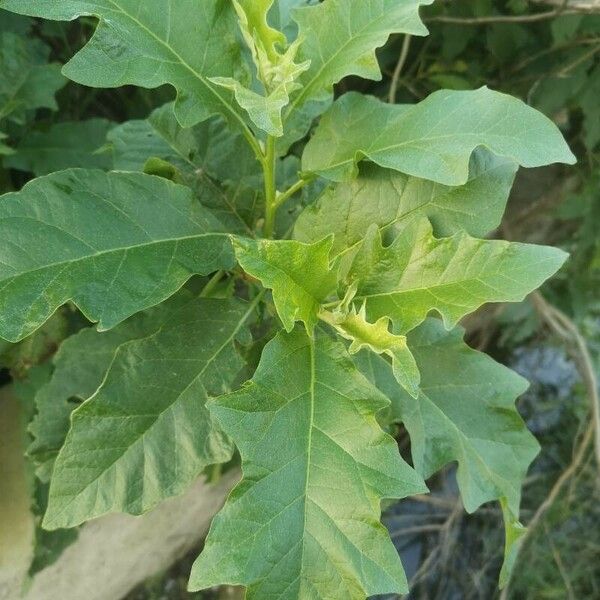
x,y
544,16
562,325
554,492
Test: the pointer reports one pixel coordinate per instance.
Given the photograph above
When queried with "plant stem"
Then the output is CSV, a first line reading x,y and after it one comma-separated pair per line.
x,y
398,70
212,284
269,170
283,197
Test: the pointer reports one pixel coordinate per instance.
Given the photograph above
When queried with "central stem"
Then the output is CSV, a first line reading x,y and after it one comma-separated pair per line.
x,y
270,187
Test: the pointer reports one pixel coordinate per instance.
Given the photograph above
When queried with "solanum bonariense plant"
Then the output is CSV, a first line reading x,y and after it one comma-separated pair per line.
x,y
352,266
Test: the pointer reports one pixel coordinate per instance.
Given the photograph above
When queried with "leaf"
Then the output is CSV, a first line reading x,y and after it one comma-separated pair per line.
x,y
206,155
304,521
434,139
145,435
299,275
191,149
27,81
62,146
377,338
418,273
181,43
112,243
79,368
339,38
276,71
465,413
387,198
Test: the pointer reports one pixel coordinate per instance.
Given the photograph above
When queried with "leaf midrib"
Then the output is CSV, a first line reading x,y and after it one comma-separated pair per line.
x,y
299,99
149,244
184,63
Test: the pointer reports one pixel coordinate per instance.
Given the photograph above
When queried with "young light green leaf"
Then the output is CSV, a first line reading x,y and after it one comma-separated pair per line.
x,y
145,435
418,273
299,275
316,467
62,146
27,80
149,44
387,198
339,38
79,368
465,413
377,337
433,139
276,70
113,243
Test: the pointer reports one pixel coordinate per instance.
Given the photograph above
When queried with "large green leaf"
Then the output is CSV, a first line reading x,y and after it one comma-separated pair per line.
x,y
299,275
433,139
152,43
387,198
418,273
145,434
27,80
112,243
305,518
62,146
339,38
79,368
465,413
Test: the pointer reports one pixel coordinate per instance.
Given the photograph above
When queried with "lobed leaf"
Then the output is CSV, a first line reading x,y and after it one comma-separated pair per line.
x,y
299,275
27,80
145,435
152,43
388,199
465,413
79,368
339,38
434,139
418,273
113,243
316,465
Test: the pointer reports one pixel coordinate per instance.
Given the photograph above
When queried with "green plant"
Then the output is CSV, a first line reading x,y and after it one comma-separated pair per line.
x,y
333,262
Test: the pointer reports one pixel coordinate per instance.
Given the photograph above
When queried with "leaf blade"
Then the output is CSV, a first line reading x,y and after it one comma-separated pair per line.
x,y
433,139
418,273
104,246
145,435
318,402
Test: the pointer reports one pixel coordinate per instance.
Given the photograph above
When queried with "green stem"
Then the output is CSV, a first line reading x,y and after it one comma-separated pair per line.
x,y
212,284
283,197
269,169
